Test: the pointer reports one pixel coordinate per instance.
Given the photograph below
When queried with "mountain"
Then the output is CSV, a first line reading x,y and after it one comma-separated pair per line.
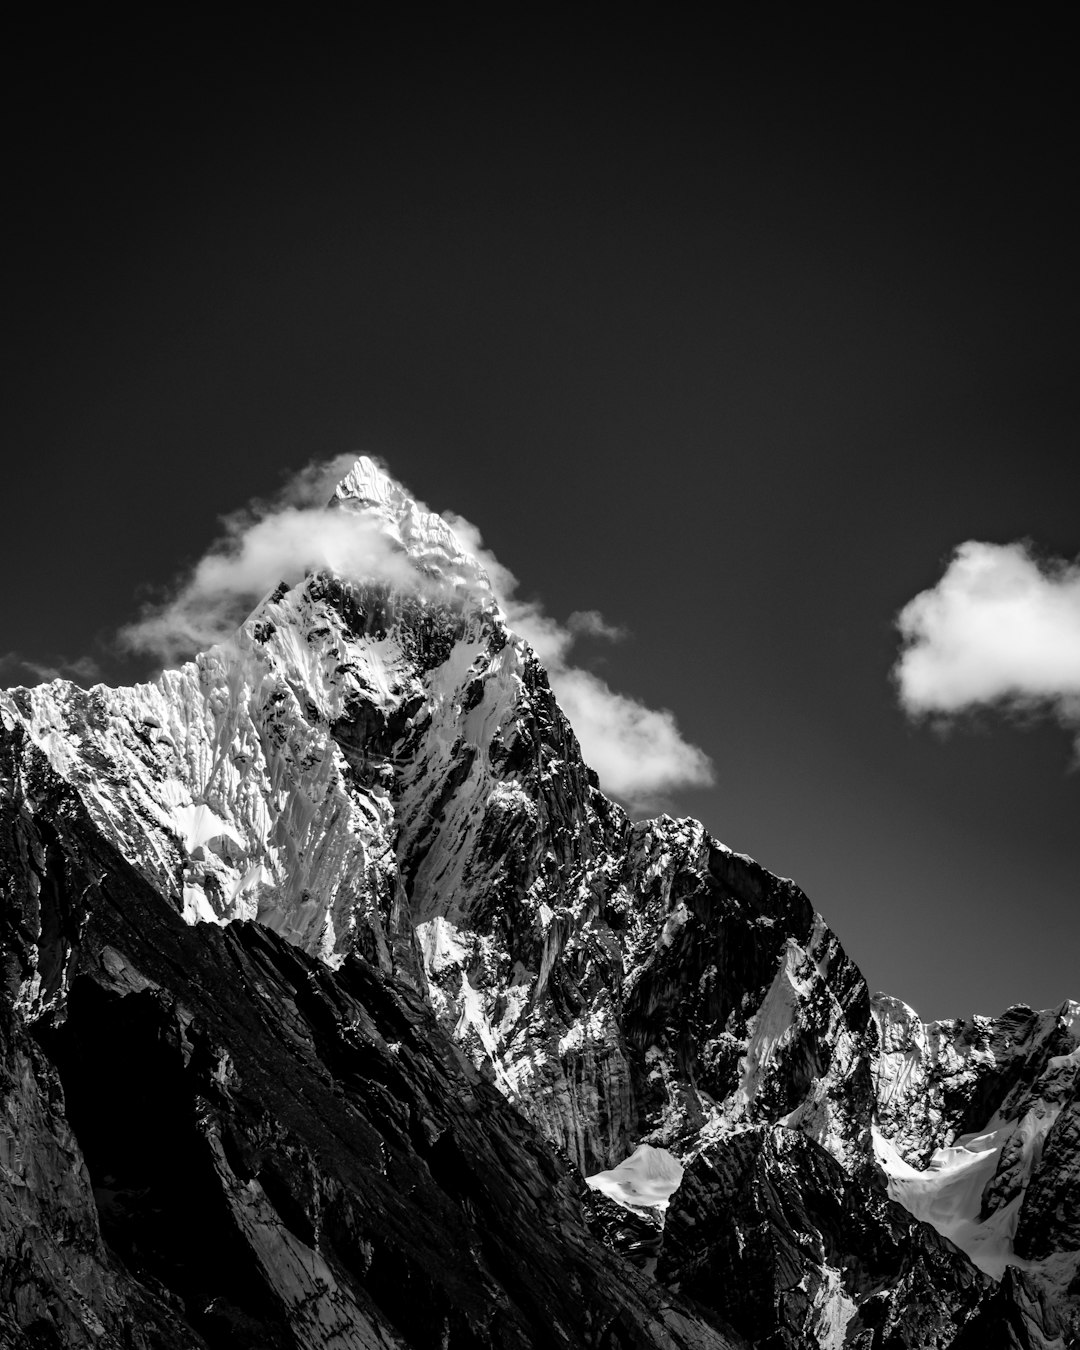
x,y
342,1008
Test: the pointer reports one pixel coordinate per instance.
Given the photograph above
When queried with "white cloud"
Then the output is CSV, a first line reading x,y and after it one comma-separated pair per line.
x,y
1000,628
265,543
638,752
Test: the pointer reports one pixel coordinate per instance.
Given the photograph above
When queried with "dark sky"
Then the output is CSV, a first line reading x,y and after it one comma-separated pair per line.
x,y
731,335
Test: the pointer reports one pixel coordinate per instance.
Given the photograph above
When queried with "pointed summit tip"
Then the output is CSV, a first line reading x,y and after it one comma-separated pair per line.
x,y
368,481
432,546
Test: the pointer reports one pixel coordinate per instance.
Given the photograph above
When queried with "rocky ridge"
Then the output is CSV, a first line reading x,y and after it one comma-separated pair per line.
x,y
372,791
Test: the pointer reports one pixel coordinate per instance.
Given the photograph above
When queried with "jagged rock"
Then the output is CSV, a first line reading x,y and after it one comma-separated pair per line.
x,y
1022,1313
293,1155
943,1079
771,1233
637,1233
60,1285
994,1130
1050,1219
739,1001
303,926
628,1203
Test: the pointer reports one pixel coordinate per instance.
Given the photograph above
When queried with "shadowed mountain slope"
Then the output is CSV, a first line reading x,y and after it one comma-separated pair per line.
x,y
330,972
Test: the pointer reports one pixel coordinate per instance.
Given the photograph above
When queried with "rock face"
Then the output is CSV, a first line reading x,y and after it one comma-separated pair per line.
x,y
772,1234
329,971
977,1134
224,1142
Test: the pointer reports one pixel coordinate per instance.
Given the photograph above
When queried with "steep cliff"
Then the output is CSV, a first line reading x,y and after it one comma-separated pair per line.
x,y
221,1141
334,946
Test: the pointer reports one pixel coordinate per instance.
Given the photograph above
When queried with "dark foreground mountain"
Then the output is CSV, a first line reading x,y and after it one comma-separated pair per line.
x,y
329,974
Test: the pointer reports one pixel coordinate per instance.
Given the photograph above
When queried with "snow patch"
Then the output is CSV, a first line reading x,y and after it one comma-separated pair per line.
x,y
948,1193
592,1028
773,1025
440,941
197,908
834,1311
199,825
647,1179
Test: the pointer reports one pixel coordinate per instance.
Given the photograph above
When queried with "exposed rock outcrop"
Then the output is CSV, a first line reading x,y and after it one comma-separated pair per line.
x,y
281,1154
328,947
771,1233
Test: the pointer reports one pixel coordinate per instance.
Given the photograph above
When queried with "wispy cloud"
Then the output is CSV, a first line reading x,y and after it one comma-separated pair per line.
x,y
591,623
1001,628
82,670
638,752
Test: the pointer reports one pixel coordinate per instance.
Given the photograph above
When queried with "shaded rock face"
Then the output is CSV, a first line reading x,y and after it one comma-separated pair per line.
x,y
637,1233
775,1237
740,1003
1050,1219
328,947
249,1148
60,1284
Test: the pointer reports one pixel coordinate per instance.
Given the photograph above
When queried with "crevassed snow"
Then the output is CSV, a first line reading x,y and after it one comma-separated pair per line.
x,y
649,1177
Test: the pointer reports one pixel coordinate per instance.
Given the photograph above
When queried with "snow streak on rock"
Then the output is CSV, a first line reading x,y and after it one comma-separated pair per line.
x,y
381,776
1015,1076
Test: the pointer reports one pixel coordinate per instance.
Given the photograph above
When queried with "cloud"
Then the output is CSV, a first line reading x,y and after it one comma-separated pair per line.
x,y
638,752
267,542
1001,628
82,670
591,623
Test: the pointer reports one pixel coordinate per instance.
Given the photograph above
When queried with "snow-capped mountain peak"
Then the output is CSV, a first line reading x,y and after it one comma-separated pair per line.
x,y
375,766
431,545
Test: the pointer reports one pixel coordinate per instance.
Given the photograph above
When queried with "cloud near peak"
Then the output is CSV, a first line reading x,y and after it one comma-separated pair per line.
x,y
82,670
1001,628
638,752
266,542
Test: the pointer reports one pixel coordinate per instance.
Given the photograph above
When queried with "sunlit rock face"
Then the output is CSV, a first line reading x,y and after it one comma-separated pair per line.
x,y
977,1134
370,811
939,1080
224,1142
